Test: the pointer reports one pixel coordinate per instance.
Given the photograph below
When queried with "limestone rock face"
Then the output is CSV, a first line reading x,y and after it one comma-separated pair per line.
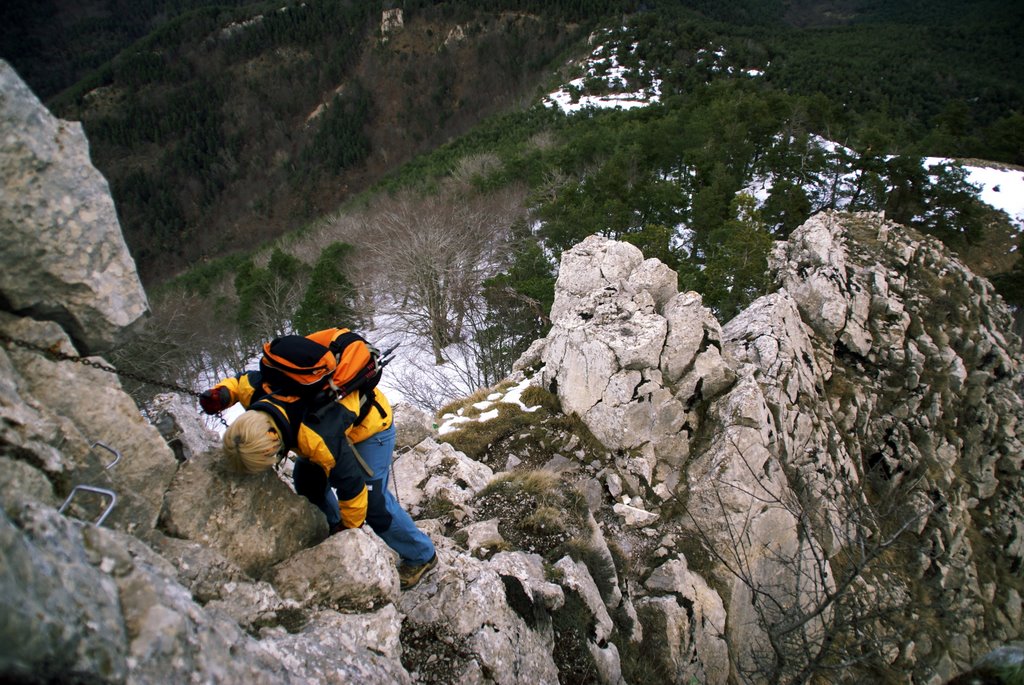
x,y
61,613
937,338
469,599
88,604
254,520
434,473
63,253
412,424
352,570
871,402
919,387
69,284
175,419
693,613
343,647
70,421
630,355
216,582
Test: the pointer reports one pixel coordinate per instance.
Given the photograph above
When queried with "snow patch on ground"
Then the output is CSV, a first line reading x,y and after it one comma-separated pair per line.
x,y
606,67
456,420
1001,188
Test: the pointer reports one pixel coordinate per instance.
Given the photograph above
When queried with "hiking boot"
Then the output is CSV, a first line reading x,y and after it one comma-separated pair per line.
x,y
410,574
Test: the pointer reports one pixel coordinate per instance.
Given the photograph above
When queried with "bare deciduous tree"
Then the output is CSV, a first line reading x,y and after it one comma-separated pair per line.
x,y
185,342
436,252
422,260
277,302
431,387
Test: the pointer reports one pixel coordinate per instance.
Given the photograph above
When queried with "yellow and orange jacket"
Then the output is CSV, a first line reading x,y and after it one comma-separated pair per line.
x,y
322,436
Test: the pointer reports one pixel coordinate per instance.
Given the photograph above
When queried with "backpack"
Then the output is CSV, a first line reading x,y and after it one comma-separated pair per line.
x,y
335,361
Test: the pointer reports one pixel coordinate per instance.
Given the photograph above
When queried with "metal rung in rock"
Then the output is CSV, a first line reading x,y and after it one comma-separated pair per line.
x,y
101,491
117,455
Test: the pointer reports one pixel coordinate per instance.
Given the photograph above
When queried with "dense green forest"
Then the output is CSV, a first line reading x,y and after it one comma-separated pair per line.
x,y
232,125
307,130
221,125
55,43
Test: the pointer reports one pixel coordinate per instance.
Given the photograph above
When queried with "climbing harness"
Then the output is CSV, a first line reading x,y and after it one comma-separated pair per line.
x,y
359,458
92,488
54,353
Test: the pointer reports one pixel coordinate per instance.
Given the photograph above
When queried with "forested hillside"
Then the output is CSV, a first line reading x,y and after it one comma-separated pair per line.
x,y
407,159
230,126
227,124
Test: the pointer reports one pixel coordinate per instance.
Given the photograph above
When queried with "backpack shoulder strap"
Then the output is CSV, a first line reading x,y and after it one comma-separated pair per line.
x,y
367,401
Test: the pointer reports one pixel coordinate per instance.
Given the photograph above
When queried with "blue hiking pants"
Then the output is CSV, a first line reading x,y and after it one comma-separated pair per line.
x,y
384,514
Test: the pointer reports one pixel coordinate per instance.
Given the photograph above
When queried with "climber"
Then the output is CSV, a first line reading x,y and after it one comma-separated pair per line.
x,y
344,450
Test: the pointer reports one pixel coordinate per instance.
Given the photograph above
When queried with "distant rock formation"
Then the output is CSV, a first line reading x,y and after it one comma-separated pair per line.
x,y
391,21
837,468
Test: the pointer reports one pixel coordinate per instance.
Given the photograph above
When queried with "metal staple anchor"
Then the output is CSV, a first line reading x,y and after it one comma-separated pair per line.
x,y
101,491
117,455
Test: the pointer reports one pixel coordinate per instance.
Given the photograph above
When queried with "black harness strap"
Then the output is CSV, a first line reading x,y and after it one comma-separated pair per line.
x,y
368,401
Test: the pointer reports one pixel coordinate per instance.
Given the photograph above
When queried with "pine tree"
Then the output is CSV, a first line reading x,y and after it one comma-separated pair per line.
x,y
330,296
736,269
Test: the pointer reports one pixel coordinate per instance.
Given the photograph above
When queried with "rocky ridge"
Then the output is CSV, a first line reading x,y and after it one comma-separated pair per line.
x,y
686,500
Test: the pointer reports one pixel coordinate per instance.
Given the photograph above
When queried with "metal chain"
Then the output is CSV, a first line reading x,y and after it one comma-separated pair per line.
x,y
55,353
394,483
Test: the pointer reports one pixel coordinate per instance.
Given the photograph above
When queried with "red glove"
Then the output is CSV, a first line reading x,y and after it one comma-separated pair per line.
x,y
215,400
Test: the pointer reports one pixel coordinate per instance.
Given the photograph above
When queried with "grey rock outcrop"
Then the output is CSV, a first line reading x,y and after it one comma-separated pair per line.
x,y
61,614
923,379
871,403
91,604
63,253
175,419
631,356
693,620
353,570
216,582
68,285
466,600
413,425
254,520
59,416
433,475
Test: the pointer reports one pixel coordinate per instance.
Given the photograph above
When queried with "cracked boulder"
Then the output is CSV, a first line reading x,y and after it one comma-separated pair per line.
x,y
436,478
463,610
256,521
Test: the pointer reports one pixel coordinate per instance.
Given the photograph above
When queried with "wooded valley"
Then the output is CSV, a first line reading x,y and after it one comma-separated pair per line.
x,y
295,164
